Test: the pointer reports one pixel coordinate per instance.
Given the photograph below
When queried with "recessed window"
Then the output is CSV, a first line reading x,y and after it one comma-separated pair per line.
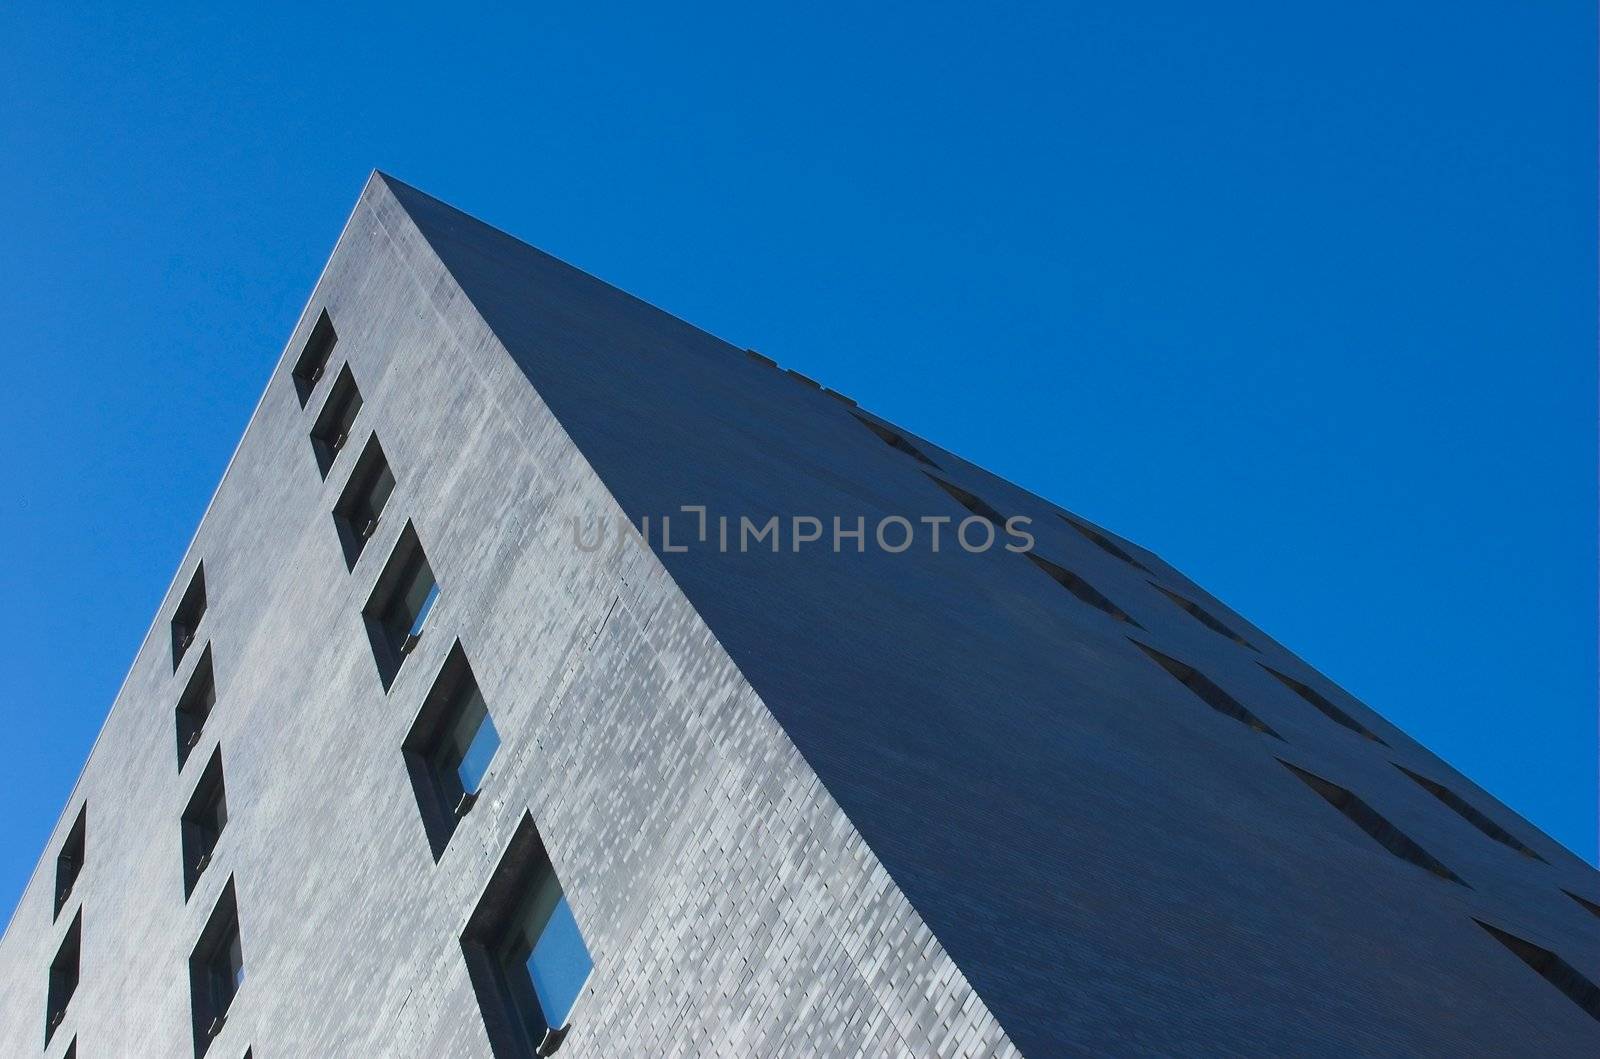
x,y
191,608
1082,589
361,505
63,977
1203,616
1105,543
896,440
195,704
971,502
69,862
524,951
1552,969
449,749
314,358
1207,691
400,604
1470,813
216,970
1584,903
332,428
203,821
1321,702
1367,819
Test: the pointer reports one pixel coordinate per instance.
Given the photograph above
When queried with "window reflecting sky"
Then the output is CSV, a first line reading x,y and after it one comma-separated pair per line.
x,y
559,965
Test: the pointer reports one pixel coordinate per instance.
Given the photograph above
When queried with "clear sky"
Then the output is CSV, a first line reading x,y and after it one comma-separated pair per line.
x,y
1300,296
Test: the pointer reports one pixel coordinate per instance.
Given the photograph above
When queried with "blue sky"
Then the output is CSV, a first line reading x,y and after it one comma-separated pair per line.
x,y
1300,296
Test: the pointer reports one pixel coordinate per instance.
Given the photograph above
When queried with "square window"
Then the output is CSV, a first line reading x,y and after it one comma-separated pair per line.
x,y
186,619
1203,616
971,502
361,505
525,953
1206,691
896,440
63,977
401,601
1322,703
194,705
471,746
1368,819
547,948
216,970
313,359
332,428
69,862
1470,813
203,821
1082,589
1552,969
449,749
1584,903
1106,544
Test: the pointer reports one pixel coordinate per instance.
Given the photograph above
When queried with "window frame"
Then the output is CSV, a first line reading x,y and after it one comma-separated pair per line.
x,y
195,704
895,440
1104,543
1203,616
1592,907
442,800
1323,704
516,1028
312,363
188,614
330,433
1566,978
356,519
212,996
1082,590
203,822
66,972
70,861
1483,822
390,645
971,502
1206,690
1376,826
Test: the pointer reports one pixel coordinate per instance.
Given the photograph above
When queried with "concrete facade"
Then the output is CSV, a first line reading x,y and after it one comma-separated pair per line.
x,y
804,802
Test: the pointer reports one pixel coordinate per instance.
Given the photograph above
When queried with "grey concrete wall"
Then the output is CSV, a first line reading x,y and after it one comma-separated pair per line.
x,y
730,906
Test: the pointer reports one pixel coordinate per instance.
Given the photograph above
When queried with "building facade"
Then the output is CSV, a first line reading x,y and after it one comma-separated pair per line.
x,y
426,754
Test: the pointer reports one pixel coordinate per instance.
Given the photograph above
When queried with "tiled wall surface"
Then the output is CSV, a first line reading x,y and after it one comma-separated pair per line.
x,y
729,906
803,803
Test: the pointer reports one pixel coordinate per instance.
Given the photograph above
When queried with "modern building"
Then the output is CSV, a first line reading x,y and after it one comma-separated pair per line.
x,y
424,756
